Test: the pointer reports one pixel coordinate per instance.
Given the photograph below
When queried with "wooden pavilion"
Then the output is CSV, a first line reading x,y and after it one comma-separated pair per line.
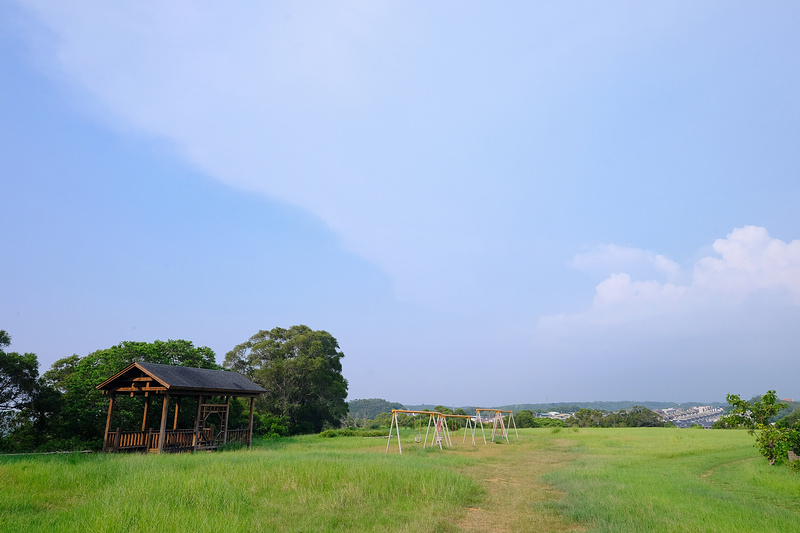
x,y
150,380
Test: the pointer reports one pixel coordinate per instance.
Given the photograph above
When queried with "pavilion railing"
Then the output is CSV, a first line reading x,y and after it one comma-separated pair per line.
x,y
174,439
238,436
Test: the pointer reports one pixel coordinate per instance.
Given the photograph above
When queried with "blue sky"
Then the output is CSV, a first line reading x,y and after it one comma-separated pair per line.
x,y
485,205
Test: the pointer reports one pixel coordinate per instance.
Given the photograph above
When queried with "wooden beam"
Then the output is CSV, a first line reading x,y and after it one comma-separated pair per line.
x,y
177,408
139,389
196,440
227,415
250,432
163,431
146,409
108,422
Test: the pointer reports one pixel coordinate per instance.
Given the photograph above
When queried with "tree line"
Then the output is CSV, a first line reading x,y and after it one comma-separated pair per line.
x,y
635,417
61,409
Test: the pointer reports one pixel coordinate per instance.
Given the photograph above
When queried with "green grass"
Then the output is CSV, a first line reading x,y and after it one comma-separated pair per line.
x,y
651,479
306,484
587,480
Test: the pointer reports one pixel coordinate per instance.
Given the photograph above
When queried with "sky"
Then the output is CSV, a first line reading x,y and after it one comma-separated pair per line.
x,y
486,204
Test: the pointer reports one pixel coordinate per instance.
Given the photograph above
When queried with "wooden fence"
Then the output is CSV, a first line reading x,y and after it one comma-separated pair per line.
x,y
174,440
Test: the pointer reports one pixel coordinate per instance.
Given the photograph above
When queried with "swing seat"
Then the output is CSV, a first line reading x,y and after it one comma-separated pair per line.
x,y
417,439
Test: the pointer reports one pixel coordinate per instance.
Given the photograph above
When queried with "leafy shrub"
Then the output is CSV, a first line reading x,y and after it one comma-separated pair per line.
x,y
348,432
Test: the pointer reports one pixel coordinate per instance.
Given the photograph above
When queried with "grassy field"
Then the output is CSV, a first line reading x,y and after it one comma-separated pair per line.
x,y
588,480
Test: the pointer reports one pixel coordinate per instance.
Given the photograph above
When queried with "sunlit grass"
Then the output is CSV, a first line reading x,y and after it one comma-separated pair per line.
x,y
652,479
586,480
299,485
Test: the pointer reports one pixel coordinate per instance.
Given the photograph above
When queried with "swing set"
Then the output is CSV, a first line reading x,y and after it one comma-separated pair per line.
x,y
499,427
437,422
469,425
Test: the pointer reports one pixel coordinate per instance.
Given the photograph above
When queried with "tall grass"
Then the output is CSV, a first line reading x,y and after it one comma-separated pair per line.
x,y
588,480
298,485
652,479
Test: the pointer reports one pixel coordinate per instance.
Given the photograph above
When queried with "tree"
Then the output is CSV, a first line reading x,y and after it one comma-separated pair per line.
x,y
525,418
18,376
27,405
756,416
84,408
370,408
790,421
636,416
302,372
639,416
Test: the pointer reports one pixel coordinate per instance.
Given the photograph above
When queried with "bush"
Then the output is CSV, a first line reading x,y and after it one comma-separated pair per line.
x,y
348,432
773,440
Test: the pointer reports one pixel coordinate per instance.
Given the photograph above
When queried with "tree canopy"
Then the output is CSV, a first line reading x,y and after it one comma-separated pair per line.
x,y
26,402
84,407
772,440
19,374
637,416
371,407
302,371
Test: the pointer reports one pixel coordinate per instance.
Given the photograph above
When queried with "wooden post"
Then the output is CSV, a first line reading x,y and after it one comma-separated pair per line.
x,y
162,432
225,422
108,422
250,432
196,440
146,409
177,408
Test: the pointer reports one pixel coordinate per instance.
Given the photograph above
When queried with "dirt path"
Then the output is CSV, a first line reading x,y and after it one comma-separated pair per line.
x,y
517,500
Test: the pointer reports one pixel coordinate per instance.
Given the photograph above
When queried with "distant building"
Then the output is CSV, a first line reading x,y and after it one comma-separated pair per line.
x,y
555,415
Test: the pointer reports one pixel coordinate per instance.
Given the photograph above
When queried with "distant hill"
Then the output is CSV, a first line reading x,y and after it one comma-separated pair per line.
x,y
372,407
571,407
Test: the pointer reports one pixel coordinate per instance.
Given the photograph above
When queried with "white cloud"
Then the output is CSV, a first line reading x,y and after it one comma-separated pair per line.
x,y
363,114
750,261
750,266
605,258
732,327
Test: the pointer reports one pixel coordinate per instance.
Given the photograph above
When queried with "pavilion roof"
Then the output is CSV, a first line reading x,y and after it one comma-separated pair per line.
x,y
182,380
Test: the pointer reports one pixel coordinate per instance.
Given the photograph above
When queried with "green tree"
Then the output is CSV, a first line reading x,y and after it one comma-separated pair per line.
x,y
82,419
28,406
756,416
370,408
636,416
302,371
639,416
790,421
548,423
19,374
525,418
587,418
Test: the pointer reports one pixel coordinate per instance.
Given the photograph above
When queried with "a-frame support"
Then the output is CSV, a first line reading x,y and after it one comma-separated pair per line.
x,y
498,423
435,420
469,425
